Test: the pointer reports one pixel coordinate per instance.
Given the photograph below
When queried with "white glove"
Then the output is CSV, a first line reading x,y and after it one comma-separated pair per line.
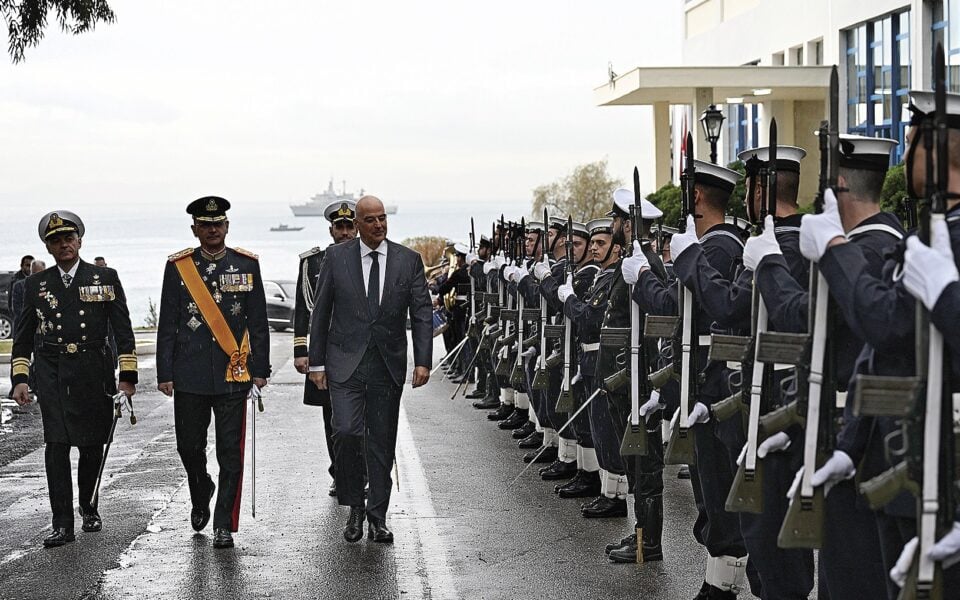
x,y
519,273
839,467
565,291
509,273
681,241
576,378
499,260
472,258
902,567
927,270
761,245
633,264
816,231
541,270
650,406
698,414
947,549
777,442
488,267
797,480
529,352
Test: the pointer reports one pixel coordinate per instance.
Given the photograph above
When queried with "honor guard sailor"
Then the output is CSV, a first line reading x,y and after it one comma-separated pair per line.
x,y
212,345
67,310
341,216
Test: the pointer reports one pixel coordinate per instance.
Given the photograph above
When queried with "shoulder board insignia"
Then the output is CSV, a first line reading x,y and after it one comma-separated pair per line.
x,y
310,252
246,253
177,256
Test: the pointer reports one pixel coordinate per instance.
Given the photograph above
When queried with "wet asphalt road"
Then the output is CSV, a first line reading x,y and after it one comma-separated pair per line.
x,y
462,531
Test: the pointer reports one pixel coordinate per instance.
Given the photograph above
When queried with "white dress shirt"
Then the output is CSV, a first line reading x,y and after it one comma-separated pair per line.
x,y
72,272
366,262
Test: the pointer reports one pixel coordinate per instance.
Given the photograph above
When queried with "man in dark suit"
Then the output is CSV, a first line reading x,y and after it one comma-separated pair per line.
x,y
358,350
66,311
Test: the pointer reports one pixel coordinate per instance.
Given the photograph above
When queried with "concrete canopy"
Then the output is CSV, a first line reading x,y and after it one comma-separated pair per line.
x,y
679,85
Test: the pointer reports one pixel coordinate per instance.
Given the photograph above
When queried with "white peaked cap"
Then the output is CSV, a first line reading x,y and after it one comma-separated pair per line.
x,y
623,200
715,175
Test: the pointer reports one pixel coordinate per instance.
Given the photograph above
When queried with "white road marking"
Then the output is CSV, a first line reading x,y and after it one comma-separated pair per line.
x,y
430,558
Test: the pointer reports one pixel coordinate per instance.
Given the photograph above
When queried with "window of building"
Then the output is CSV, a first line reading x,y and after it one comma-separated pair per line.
x,y
878,77
777,59
946,31
798,56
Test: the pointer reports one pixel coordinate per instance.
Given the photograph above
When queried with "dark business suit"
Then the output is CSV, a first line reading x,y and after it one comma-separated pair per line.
x,y
363,350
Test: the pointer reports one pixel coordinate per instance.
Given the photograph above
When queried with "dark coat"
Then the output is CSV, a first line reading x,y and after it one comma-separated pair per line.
x,y
342,327
187,353
66,329
309,274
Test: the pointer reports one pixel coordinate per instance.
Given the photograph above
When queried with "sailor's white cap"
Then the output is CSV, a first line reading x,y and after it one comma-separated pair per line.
x,y
580,229
623,200
601,225
716,176
534,226
788,158
923,102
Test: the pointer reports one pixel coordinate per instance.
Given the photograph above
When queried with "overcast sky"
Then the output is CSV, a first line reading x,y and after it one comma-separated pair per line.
x,y
265,101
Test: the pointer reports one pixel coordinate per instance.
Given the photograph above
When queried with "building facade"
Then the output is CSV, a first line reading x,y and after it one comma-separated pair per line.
x,y
758,59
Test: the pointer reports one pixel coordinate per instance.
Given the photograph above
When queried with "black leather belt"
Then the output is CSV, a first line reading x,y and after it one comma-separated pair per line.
x,y
72,347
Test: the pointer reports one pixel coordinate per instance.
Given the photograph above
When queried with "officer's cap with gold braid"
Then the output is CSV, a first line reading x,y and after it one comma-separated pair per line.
x,y
60,221
341,210
209,209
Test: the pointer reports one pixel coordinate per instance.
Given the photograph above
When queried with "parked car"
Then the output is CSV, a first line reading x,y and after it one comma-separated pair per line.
x,y
6,319
281,302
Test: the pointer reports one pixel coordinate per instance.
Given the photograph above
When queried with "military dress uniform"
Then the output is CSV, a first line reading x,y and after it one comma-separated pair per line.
x,y
644,473
308,274
64,325
204,377
588,314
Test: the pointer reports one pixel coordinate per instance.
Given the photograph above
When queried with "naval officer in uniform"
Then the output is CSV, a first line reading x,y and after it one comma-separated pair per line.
x,y
66,313
213,344
342,229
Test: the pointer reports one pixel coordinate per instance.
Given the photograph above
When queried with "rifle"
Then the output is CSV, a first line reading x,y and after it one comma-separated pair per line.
x,y
472,331
803,523
506,308
517,374
256,403
541,378
680,447
635,435
746,493
565,400
927,424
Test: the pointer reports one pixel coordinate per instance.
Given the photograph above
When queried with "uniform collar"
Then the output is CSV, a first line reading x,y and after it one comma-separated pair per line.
x,y
213,257
72,272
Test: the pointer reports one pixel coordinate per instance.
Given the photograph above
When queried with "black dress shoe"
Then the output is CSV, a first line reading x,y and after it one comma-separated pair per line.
x,y
91,521
709,592
558,470
477,394
630,539
354,529
222,538
585,485
518,418
548,455
590,504
684,472
333,489
626,553
606,508
534,440
378,531
487,403
59,537
523,431
200,515
501,413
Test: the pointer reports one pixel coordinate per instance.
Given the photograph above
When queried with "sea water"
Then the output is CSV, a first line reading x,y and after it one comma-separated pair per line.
x,y
136,240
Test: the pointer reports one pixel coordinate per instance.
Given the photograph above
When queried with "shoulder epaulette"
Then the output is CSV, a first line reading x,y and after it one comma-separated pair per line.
x,y
177,256
246,253
310,252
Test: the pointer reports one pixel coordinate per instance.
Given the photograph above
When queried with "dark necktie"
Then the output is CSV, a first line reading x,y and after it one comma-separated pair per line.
x,y
67,279
373,284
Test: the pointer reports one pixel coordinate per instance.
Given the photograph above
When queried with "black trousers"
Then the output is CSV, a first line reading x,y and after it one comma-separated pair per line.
x,y
191,414
365,412
60,480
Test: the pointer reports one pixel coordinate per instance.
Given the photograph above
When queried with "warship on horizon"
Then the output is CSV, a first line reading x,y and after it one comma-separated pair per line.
x,y
314,207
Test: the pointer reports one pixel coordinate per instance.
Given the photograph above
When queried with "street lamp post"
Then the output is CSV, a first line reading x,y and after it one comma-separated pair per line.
x,y
712,120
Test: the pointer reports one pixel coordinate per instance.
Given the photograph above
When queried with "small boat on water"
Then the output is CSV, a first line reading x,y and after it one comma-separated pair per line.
x,y
282,227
